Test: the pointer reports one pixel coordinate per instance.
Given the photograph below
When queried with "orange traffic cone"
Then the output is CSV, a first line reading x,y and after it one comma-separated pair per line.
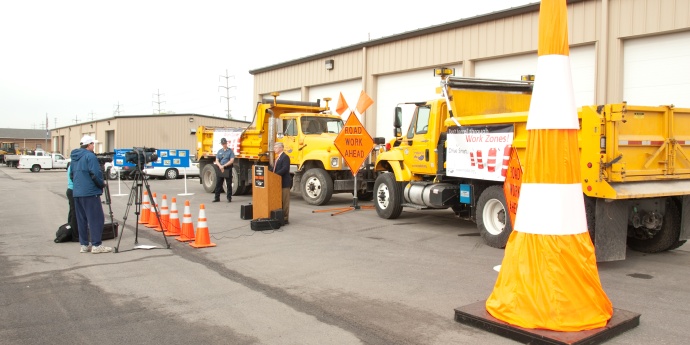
x,y
203,239
549,278
187,226
174,223
165,215
145,209
155,214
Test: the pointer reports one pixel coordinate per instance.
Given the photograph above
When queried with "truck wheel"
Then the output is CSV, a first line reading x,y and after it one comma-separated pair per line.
x,y
237,187
171,174
208,177
112,174
492,217
389,196
666,238
317,187
35,168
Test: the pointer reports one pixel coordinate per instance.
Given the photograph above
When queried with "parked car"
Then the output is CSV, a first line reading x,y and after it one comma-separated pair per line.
x,y
172,173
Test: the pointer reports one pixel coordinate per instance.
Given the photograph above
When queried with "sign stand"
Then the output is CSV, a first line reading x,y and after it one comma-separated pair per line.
x,y
119,191
355,145
354,206
185,184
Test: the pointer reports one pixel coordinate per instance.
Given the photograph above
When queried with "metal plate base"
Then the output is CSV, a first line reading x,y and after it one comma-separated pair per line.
x,y
476,315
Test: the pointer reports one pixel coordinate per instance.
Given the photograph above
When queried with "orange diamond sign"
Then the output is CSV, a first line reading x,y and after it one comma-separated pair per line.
x,y
354,143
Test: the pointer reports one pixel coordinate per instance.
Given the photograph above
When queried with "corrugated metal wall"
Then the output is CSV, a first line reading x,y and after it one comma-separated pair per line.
x,y
161,131
605,23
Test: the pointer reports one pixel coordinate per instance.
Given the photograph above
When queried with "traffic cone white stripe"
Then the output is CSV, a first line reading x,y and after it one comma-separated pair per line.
x,y
553,93
552,209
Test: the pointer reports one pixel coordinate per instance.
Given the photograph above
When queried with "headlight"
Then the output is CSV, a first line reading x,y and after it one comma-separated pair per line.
x,y
335,161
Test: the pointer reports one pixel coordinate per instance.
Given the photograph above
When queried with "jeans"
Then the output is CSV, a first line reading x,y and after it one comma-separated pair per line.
x,y
90,219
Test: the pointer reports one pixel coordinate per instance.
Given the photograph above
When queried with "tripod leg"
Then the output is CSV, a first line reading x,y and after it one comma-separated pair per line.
x,y
148,189
132,198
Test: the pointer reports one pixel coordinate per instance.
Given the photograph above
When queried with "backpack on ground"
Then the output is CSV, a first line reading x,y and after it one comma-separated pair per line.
x,y
63,234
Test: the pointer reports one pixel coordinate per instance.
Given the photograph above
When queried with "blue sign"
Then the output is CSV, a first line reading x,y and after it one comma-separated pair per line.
x,y
172,158
119,159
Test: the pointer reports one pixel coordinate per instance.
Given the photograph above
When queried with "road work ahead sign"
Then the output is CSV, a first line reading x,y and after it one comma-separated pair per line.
x,y
354,143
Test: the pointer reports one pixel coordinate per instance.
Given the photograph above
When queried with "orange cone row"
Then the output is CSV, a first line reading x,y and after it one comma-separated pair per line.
x,y
166,220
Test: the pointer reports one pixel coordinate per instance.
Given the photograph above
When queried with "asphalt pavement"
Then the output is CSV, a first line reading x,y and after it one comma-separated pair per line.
x,y
352,278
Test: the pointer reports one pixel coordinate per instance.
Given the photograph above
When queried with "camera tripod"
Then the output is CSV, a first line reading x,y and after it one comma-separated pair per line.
x,y
135,199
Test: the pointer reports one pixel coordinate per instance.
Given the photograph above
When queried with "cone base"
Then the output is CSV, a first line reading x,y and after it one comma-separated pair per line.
x,y
193,244
184,239
171,233
475,314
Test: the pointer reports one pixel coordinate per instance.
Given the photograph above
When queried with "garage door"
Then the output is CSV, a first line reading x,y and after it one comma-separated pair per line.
x,y
582,66
394,89
656,70
289,95
350,89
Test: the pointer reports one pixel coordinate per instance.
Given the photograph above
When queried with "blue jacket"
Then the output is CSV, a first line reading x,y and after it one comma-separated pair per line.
x,y
86,173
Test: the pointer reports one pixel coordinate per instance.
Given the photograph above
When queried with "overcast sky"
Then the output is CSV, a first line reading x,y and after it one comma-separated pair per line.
x,y
77,60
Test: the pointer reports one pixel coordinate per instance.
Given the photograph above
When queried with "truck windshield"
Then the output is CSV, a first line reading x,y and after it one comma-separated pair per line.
x,y
318,125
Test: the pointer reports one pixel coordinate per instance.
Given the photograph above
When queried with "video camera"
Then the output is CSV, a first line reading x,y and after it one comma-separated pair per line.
x,y
140,156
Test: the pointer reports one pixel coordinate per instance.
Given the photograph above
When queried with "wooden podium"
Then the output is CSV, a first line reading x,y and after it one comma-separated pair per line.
x,y
266,192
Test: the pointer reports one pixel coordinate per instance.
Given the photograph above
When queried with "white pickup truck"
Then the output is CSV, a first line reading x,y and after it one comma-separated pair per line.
x,y
36,163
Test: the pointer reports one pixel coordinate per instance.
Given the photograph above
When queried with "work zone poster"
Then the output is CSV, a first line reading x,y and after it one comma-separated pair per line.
x,y
479,152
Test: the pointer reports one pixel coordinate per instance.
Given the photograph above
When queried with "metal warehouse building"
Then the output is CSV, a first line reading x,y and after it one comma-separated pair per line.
x,y
636,51
161,131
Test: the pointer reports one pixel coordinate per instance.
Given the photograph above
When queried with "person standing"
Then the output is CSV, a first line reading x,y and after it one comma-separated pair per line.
x,y
224,159
282,168
88,187
72,215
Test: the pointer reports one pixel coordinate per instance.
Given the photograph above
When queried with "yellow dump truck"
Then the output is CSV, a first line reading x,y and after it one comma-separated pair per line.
x,y
635,163
307,130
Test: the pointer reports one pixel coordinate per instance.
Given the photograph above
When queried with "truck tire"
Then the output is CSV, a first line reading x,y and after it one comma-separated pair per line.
x,y
171,174
389,196
35,168
208,177
237,187
317,187
492,217
112,174
666,238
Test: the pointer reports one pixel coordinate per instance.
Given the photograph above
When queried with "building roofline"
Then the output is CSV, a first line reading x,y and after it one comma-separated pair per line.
x,y
410,34
146,115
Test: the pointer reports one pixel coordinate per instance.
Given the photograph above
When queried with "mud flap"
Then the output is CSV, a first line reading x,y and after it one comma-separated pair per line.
x,y
611,230
685,219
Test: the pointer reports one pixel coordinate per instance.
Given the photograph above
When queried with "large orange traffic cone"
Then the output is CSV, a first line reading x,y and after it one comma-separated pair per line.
x,y
145,209
187,226
549,278
165,215
203,239
155,214
174,223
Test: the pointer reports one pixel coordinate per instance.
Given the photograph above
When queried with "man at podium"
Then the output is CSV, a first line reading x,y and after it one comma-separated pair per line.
x,y
282,167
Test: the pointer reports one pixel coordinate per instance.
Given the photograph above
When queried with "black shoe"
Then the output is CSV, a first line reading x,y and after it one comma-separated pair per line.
x,y
229,200
216,200
286,222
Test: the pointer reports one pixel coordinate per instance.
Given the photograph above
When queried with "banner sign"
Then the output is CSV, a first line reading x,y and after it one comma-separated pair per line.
x,y
259,176
172,158
479,152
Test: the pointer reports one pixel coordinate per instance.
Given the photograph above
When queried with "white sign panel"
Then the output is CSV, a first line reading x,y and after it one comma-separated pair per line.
x,y
479,152
232,136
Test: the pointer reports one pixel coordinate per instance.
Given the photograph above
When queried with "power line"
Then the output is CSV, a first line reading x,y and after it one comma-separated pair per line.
x,y
159,101
227,88
117,109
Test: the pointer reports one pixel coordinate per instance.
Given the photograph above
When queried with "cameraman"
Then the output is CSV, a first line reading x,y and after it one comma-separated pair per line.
x,y
88,186
224,159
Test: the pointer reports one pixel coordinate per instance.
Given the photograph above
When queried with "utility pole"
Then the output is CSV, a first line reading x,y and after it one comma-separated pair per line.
x,y
76,119
117,109
227,88
159,101
91,115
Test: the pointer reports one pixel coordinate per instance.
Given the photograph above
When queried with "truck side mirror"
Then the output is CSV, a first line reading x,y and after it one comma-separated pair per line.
x,y
397,132
397,120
